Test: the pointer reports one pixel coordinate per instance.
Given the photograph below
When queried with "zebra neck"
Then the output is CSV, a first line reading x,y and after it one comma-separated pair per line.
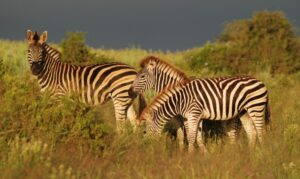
x,y
160,120
50,61
49,72
51,53
164,80
163,113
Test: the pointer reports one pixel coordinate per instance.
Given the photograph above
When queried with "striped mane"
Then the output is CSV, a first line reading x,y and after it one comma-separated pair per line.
x,y
165,65
161,96
54,53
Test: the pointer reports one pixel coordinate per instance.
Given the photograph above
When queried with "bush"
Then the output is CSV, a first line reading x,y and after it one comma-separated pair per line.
x,y
269,38
74,48
264,42
75,51
26,112
218,58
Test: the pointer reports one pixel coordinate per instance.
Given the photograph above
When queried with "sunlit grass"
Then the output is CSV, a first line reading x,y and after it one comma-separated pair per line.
x,y
40,138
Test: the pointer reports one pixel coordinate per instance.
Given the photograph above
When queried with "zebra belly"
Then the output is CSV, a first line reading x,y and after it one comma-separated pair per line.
x,y
218,116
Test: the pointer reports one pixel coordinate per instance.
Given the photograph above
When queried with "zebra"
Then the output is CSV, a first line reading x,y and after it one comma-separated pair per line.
x,y
94,84
170,75
158,75
211,99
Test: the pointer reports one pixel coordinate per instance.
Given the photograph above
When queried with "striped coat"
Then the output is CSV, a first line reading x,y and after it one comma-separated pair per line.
x,y
211,99
93,84
158,75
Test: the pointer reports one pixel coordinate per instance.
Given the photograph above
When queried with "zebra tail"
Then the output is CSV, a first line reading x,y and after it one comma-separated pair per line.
x,y
142,104
267,116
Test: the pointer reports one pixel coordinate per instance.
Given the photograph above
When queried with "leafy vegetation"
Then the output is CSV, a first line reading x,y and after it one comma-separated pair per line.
x,y
267,41
75,51
67,139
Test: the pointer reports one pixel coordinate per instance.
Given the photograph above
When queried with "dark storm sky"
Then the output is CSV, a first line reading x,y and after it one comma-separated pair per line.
x,y
150,24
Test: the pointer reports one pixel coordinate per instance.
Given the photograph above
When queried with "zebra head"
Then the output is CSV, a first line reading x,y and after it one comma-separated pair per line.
x,y
36,52
146,120
145,78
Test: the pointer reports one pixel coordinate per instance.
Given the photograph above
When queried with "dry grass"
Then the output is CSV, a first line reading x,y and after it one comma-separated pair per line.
x,y
40,140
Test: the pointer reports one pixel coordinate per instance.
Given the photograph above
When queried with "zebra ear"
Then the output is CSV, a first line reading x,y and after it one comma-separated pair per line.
x,y
151,65
29,36
43,37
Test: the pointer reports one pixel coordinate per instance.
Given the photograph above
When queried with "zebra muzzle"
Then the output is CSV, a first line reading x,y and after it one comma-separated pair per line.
x,y
131,93
36,68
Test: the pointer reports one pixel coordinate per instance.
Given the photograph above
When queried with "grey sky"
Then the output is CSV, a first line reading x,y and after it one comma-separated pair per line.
x,y
150,24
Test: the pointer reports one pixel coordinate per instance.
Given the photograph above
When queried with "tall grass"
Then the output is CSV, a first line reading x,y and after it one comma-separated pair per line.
x,y
40,138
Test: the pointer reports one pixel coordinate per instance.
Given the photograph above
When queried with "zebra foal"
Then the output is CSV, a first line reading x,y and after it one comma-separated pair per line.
x,y
160,76
94,84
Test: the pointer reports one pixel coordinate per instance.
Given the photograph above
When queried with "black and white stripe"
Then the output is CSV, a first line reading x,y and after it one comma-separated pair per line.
x,y
158,75
94,84
211,99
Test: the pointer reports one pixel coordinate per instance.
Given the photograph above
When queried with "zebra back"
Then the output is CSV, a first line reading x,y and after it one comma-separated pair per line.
x,y
215,99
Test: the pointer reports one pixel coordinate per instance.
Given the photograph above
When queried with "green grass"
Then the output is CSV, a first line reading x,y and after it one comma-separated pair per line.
x,y
42,138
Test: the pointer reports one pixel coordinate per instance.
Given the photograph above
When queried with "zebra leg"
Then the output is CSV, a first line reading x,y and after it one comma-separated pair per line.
x,y
131,115
230,128
257,116
180,137
250,129
199,138
120,113
191,128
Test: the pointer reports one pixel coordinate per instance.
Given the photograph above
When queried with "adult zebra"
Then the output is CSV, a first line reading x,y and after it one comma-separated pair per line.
x,y
211,99
94,84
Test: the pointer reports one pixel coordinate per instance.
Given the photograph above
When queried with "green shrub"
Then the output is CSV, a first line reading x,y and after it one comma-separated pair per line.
x,y
218,58
75,51
264,42
74,48
269,38
23,152
27,112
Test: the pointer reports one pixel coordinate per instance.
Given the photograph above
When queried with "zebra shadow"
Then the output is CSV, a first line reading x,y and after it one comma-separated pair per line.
x,y
213,131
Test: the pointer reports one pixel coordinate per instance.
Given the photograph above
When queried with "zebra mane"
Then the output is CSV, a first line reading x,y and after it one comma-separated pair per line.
x,y
36,37
54,53
160,97
161,63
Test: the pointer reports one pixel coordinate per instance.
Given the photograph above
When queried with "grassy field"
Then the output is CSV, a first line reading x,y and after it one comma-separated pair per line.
x,y
43,139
